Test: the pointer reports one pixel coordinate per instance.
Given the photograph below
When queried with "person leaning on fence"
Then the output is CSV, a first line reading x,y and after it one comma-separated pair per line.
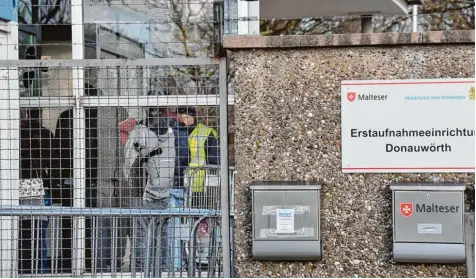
x,y
203,151
150,147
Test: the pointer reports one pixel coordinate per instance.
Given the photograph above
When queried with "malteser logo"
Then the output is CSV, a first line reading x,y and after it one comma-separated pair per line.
x,y
351,96
406,208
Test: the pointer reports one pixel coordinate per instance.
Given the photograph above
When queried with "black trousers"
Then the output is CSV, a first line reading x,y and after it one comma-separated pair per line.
x,y
66,200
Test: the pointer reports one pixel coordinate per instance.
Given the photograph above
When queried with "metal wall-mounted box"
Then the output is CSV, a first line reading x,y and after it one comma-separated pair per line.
x,y
428,223
286,221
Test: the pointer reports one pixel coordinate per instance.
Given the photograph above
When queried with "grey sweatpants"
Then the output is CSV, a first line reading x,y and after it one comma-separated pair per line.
x,y
149,241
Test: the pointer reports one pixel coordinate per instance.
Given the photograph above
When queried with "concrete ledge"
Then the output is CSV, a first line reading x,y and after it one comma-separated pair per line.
x,y
374,39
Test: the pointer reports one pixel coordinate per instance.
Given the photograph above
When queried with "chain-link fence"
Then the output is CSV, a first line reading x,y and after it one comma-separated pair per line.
x,y
113,150
123,179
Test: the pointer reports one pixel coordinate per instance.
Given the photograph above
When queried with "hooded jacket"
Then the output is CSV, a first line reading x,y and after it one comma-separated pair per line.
x,y
145,150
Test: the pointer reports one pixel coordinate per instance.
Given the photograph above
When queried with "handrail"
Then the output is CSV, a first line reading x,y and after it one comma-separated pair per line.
x,y
19,210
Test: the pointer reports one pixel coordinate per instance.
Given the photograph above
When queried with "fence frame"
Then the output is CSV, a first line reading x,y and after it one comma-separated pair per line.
x,y
79,102
11,102
9,159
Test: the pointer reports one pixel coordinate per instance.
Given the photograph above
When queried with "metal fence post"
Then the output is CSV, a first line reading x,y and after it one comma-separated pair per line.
x,y
79,140
225,202
415,18
9,147
469,235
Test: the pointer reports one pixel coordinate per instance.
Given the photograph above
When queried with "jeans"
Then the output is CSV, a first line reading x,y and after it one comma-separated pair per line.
x,y
44,229
148,238
174,249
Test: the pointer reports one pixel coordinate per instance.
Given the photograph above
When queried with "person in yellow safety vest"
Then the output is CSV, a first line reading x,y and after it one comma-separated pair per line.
x,y
203,149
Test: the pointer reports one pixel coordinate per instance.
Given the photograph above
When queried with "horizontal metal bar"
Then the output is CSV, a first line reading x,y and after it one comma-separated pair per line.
x,y
204,61
165,274
125,101
146,101
231,99
46,102
19,210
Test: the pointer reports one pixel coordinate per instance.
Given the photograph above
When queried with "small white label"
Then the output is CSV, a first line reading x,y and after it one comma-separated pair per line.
x,y
285,220
430,228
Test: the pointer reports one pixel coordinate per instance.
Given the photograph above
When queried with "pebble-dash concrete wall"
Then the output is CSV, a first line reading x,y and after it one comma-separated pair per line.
x,y
287,117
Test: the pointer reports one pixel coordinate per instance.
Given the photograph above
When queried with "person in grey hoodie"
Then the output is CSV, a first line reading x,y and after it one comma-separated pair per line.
x,y
151,147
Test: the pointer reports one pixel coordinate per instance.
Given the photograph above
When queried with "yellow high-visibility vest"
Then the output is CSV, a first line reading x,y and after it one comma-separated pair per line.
x,y
196,143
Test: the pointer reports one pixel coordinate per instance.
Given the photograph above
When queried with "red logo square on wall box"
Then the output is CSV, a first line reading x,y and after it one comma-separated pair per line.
x,y
406,208
351,96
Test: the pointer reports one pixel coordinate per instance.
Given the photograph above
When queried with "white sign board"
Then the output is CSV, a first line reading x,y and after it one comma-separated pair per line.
x,y
396,126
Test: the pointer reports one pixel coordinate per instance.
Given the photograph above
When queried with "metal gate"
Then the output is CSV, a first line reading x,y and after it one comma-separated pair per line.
x,y
98,174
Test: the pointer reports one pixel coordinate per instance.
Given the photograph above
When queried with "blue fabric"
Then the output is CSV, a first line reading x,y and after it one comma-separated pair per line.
x,y
181,151
44,227
173,255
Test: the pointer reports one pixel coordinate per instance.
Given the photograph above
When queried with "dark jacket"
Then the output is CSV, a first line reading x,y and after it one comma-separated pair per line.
x,y
181,151
37,149
64,138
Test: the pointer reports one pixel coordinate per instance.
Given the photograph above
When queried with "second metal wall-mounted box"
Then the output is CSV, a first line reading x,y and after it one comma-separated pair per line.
x,y
286,221
428,223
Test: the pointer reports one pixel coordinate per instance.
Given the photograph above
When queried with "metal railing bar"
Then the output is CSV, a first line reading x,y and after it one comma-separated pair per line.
x,y
204,61
109,275
124,101
14,210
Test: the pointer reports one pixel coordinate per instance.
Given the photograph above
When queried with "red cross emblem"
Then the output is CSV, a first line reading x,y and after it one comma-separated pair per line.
x,y
406,208
351,96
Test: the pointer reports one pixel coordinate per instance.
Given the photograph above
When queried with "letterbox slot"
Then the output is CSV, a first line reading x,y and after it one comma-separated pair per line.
x,y
286,221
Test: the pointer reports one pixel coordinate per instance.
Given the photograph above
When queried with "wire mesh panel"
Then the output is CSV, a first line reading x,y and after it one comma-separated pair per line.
x,y
114,127
148,201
